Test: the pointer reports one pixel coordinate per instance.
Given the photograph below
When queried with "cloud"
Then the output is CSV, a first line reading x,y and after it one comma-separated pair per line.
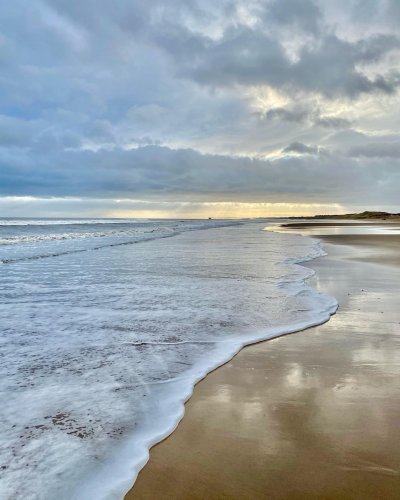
x,y
290,115
305,15
330,66
188,99
160,173
299,147
333,122
377,150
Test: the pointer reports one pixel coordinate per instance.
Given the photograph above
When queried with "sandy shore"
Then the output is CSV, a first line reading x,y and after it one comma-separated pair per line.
x,y
309,415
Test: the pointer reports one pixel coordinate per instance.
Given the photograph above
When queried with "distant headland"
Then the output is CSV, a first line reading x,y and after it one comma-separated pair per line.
x,y
367,215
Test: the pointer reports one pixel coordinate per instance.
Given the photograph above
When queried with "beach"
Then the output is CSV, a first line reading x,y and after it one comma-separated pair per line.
x,y
199,250
309,415
117,321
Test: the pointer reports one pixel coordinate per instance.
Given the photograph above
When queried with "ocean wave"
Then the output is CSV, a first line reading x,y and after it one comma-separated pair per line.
x,y
51,240
6,221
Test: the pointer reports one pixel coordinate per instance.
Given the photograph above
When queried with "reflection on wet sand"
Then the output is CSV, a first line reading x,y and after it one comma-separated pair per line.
x,y
310,415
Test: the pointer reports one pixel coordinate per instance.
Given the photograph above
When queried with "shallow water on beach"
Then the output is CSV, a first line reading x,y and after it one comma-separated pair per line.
x,y
306,416
102,343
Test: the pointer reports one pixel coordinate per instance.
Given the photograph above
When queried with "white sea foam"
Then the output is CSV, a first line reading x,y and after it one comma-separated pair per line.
x,y
32,239
34,221
100,349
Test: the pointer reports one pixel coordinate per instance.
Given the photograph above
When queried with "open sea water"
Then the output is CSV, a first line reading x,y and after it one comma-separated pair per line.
x,y
106,325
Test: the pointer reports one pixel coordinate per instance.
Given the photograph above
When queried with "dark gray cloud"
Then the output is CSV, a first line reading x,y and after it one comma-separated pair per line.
x,y
329,66
333,122
162,173
303,114
304,14
290,115
377,150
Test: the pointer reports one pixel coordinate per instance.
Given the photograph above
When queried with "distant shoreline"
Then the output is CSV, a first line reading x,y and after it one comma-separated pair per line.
x,y
367,215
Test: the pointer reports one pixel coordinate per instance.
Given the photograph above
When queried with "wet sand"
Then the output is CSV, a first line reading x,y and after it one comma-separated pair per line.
x,y
382,249
302,225
310,415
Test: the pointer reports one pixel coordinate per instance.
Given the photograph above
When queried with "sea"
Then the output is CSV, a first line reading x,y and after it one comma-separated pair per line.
x,y
106,325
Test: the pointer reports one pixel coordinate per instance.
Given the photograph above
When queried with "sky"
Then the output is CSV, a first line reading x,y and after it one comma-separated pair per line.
x,y
199,108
